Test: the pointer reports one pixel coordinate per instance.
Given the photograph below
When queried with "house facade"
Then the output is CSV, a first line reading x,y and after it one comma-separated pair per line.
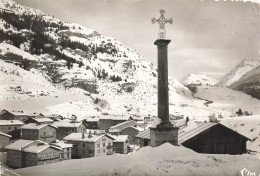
x,y
67,127
26,153
121,144
215,138
66,149
4,140
7,126
45,133
130,128
41,154
11,127
15,157
106,123
88,145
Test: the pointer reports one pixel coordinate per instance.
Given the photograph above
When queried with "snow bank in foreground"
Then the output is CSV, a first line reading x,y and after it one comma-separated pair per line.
x,y
163,160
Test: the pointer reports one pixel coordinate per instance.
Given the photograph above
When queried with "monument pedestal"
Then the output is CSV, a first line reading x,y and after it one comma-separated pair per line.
x,y
162,134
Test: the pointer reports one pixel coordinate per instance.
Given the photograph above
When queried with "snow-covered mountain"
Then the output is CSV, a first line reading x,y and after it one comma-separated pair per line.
x,y
242,68
198,79
249,83
77,68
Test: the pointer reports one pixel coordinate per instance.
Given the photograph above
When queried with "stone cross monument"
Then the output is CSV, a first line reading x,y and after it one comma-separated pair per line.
x,y
165,131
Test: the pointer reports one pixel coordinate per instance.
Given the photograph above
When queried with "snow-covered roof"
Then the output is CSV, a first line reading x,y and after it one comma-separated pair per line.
x,y
124,125
36,148
10,122
34,126
62,145
87,137
41,120
120,138
52,115
110,117
18,145
186,134
39,148
19,114
144,134
4,134
67,124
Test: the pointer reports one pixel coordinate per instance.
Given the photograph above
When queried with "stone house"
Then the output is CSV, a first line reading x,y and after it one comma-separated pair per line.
x,y
15,158
7,126
130,128
106,122
92,123
26,153
45,132
121,144
39,121
40,154
90,145
11,127
4,140
66,149
67,127
6,115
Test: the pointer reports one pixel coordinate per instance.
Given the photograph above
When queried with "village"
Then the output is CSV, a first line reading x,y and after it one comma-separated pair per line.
x,y
37,139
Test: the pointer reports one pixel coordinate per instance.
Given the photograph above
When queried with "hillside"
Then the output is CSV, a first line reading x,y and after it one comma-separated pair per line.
x,y
249,83
241,69
169,160
82,71
198,79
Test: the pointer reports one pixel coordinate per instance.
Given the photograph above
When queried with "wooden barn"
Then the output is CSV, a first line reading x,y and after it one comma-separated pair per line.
x,y
213,138
206,137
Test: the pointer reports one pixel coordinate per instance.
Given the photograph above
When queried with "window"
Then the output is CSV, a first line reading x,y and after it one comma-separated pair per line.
x,y
98,151
68,149
44,133
83,145
104,150
68,155
9,128
104,144
98,145
46,154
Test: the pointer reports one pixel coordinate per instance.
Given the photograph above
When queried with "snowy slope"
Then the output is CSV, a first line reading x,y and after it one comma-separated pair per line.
x,y
241,69
198,79
163,160
252,76
75,58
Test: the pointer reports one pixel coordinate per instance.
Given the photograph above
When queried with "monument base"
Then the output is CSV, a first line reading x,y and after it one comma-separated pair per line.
x,y
162,134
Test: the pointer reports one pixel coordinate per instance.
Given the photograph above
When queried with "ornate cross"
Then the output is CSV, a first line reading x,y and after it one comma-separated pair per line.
x,y
162,21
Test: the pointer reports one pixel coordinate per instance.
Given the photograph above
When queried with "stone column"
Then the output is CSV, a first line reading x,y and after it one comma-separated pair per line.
x,y
163,132
163,95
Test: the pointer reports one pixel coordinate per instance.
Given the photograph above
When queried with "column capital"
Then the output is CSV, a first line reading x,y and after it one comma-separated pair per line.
x,y
162,42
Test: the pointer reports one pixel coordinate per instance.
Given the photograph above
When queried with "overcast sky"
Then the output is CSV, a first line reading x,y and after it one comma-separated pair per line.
x,y
207,36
